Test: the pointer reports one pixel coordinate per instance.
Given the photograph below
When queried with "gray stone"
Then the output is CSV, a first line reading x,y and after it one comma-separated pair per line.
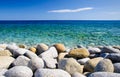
x,y
94,50
91,64
41,48
104,74
12,48
117,67
51,73
19,71
83,61
70,65
114,57
104,65
16,51
21,61
109,49
5,61
30,54
19,51
2,71
36,63
76,74
49,57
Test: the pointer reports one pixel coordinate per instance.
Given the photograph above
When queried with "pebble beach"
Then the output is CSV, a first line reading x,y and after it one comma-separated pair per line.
x,y
59,61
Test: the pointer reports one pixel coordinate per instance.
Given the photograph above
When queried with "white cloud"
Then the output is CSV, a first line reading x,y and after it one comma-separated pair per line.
x,y
71,10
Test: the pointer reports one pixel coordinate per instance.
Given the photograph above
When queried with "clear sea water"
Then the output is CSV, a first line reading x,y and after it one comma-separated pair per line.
x,y
71,33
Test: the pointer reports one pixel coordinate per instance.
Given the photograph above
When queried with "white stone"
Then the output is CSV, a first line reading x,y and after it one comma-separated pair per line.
x,y
51,73
19,71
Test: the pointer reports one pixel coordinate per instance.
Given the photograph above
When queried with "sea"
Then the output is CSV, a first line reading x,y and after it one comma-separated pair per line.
x,y
69,32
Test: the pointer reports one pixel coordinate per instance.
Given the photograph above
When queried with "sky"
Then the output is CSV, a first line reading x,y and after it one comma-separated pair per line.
x,y
59,9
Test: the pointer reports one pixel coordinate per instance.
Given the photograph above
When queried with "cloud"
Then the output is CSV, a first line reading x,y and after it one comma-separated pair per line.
x,y
71,10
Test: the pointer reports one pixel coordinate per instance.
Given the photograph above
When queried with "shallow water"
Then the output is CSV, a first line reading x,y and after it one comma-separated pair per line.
x,y
71,33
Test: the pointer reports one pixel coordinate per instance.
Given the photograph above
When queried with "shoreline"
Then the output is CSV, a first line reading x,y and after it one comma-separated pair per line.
x,y
57,60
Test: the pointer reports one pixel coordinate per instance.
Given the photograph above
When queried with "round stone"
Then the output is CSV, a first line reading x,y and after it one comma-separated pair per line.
x,y
19,71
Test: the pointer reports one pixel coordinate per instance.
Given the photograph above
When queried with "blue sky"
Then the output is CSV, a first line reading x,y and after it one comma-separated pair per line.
x,y
59,9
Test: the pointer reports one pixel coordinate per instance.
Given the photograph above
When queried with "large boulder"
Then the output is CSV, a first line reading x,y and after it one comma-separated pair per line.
x,y
104,74
91,64
70,65
117,67
51,73
21,61
110,49
19,71
5,53
104,65
5,61
79,53
36,63
49,57
60,47
41,48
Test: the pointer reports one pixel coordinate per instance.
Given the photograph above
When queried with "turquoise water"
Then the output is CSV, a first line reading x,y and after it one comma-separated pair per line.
x,y
71,33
